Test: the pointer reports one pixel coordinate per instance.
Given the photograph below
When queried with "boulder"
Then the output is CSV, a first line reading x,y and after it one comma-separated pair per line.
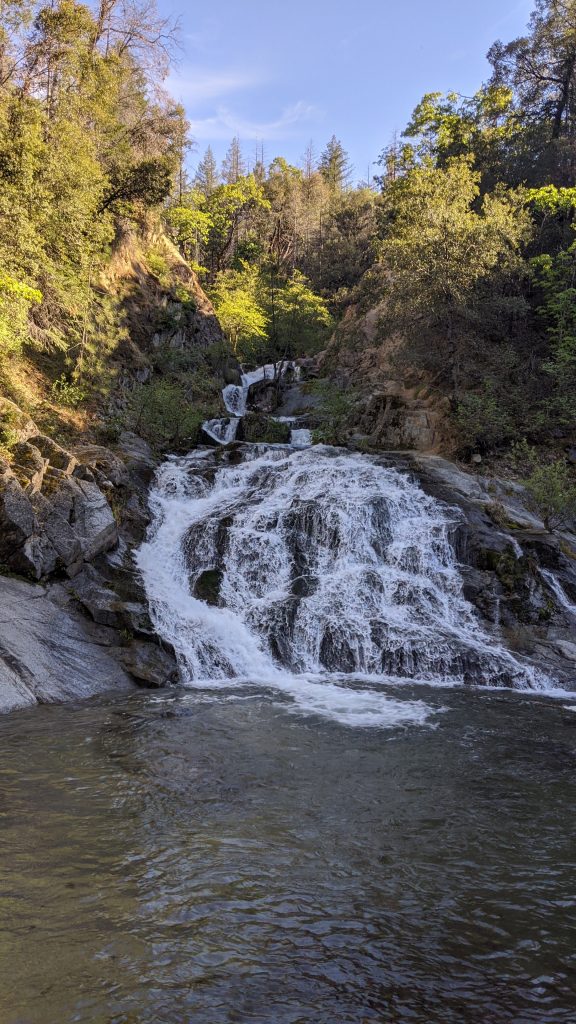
x,y
57,456
15,424
29,465
149,665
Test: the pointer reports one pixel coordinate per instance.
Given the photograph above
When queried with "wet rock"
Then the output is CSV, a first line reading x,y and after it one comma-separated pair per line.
x,y
207,587
97,599
149,665
49,652
264,396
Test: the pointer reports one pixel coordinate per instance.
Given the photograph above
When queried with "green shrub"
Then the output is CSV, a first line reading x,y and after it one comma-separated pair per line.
x,y
163,413
66,392
551,488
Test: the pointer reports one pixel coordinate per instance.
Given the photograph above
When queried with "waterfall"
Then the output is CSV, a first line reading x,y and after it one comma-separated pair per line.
x,y
324,569
235,398
558,591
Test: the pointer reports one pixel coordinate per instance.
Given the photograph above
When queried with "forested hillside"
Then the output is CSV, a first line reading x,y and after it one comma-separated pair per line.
x,y
461,250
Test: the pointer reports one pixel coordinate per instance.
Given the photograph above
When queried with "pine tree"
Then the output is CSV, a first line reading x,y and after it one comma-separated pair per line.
x,y
233,166
207,178
335,166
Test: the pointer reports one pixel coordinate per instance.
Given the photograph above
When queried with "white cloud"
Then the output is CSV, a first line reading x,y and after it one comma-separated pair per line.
x,y
225,123
198,86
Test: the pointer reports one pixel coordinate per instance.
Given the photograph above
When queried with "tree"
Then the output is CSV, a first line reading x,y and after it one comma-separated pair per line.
x,y
242,318
300,320
335,166
190,224
440,246
207,178
229,206
556,277
540,70
233,166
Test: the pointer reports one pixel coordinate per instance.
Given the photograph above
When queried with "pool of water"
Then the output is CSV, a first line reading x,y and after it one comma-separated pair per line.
x,y
206,858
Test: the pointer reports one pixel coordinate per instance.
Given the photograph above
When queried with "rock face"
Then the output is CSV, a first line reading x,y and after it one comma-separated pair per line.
x,y
91,631
48,651
53,514
399,417
398,408
520,577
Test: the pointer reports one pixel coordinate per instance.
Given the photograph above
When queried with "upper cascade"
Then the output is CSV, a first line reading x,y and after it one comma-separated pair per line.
x,y
236,401
319,563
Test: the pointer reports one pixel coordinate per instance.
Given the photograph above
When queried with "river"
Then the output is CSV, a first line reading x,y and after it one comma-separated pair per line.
x,y
222,856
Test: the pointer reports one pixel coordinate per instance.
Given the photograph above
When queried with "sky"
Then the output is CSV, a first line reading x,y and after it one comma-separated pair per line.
x,y
283,74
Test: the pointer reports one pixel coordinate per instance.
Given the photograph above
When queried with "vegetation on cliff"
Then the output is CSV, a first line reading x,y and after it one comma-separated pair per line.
x,y
462,247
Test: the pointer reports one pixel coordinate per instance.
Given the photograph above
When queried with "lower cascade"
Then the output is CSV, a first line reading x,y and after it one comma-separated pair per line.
x,y
318,572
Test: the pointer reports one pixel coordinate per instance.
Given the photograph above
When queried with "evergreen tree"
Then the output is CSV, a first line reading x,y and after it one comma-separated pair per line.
x,y
335,166
233,166
207,178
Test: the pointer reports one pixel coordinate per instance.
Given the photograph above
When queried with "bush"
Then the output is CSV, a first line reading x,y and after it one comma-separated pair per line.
x,y
483,420
551,488
162,413
66,392
335,412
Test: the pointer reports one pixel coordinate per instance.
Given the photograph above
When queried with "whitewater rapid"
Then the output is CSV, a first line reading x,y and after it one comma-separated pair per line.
x,y
333,577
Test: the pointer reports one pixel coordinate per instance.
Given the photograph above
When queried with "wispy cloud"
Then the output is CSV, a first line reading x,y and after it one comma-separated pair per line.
x,y
197,86
225,123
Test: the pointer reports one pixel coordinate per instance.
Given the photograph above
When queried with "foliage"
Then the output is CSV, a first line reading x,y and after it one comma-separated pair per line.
x,y
484,419
164,413
551,487
440,245
299,320
66,392
556,276
334,411
236,303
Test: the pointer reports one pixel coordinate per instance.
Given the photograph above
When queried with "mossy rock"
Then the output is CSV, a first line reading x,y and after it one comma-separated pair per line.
x,y
259,429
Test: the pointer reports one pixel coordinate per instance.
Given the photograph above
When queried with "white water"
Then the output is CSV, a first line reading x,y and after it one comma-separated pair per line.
x,y
235,398
558,591
337,579
222,431
301,438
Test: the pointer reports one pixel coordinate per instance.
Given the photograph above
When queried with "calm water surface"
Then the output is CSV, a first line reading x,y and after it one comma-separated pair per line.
x,y
216,858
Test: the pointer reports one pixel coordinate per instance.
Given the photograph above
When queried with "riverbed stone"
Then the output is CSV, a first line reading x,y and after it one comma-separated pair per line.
x,y
149,665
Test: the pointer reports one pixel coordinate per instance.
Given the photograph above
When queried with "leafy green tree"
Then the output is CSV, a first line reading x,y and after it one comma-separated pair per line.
x,y
190,224
556,276
244,321
551,487
229,208
440,246
540,70
299,320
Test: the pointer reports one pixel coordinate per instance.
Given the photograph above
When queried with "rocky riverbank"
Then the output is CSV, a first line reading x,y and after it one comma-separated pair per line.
x,y
74,618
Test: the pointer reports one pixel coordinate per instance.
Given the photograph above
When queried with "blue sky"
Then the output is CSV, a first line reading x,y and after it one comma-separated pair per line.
x,y
283,74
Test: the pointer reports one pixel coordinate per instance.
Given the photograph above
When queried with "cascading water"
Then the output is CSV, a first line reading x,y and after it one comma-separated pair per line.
x,y
235,398
558,591
331,576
